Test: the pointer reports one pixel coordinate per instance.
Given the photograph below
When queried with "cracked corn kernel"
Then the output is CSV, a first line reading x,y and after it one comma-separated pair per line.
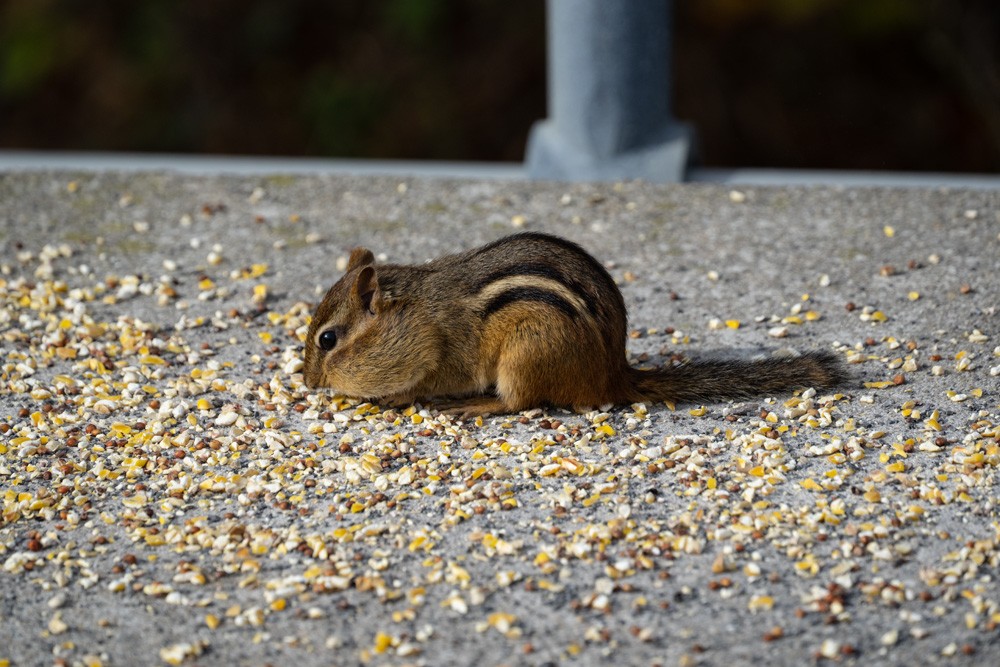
x,y
56,624
175,654
605,429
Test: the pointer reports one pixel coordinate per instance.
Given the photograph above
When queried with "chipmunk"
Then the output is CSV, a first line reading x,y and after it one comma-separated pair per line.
x,y
525,321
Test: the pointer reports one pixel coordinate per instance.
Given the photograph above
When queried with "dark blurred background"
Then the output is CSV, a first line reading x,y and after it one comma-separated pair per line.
x,y
855,84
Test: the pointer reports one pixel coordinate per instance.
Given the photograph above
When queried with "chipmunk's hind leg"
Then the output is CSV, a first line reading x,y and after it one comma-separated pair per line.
x,y
538,364
537,367
479,406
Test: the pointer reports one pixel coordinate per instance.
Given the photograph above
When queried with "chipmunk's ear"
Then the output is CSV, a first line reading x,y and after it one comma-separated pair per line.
x,y
366,289
360,257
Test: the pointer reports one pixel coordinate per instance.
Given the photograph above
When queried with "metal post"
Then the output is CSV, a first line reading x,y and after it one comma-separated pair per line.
x,y
608,95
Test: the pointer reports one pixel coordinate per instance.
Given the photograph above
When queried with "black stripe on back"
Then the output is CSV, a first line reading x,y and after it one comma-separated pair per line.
x,y
528,294
540,270
523,269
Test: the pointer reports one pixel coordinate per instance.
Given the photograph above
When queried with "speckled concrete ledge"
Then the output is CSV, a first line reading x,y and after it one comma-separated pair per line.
x,y
172,494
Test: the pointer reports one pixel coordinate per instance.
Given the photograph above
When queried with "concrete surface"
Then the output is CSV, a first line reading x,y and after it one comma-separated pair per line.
x,y
260,166
172,495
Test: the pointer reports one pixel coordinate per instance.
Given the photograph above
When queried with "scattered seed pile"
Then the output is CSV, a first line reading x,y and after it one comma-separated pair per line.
x,y
172,493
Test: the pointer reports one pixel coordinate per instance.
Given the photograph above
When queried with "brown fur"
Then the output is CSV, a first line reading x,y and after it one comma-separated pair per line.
x,y
525,321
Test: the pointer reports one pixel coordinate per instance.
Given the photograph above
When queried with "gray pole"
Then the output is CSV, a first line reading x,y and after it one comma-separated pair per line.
x,y
609,95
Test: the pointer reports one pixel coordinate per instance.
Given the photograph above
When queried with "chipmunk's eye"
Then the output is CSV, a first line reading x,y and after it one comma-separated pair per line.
x,y
327,340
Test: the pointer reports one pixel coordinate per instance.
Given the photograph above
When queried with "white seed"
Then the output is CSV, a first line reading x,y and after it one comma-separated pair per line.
x,y
56,625
227,418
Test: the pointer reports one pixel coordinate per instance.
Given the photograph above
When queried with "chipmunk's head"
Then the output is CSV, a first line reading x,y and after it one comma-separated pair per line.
x,y
362,342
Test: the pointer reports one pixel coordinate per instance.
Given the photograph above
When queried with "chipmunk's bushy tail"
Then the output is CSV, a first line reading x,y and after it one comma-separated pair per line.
x,y
704,381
